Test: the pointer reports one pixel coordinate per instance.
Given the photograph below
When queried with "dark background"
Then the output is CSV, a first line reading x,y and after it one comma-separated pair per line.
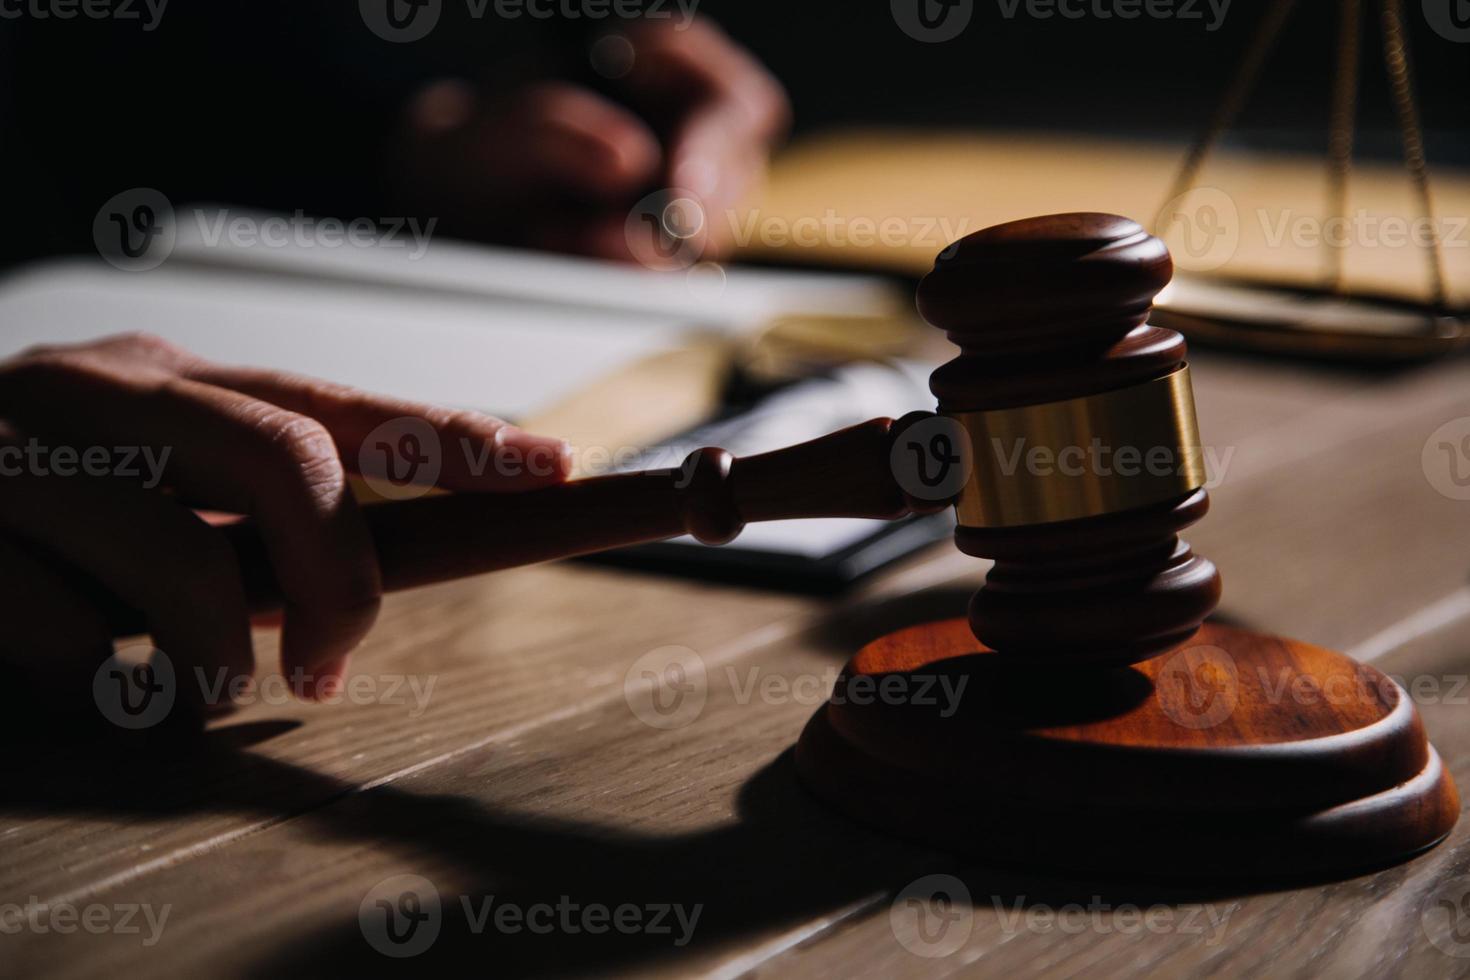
x,y
288,104
1145,78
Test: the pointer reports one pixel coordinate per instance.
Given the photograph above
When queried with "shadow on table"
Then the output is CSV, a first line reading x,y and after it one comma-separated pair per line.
x,y
783,862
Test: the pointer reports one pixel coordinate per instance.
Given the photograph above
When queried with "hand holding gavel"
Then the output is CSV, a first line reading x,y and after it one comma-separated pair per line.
x,y
1050,316
108,450
118,550
711,495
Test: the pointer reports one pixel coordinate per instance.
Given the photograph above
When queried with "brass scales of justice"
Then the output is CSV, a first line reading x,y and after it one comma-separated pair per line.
x,y
1329,319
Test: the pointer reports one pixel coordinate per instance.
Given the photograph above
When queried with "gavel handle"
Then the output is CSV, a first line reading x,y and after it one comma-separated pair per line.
x,y
848,473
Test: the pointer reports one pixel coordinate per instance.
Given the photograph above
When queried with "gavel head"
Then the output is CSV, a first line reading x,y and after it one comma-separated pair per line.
x,y
1085,457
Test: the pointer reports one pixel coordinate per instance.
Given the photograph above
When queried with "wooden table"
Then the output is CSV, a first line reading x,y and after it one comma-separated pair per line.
x,y
529,778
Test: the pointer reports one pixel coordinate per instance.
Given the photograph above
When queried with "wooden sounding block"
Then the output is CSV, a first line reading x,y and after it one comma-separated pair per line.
x,y
1098,722
1241,755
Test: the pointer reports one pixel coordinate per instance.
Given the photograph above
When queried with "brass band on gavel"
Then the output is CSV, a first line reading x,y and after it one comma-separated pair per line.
x,y
1098,454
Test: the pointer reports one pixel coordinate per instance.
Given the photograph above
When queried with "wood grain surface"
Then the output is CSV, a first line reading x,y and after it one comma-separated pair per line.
x,y
532,773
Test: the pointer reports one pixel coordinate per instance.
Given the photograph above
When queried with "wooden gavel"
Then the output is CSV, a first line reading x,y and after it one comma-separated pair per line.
x,y
712,495
1049,314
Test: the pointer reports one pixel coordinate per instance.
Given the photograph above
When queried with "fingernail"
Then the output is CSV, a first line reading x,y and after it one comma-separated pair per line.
x,y
325,682
543,456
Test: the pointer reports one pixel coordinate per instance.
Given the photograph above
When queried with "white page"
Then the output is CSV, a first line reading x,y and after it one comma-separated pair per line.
x,y
501,330
710,295
505,356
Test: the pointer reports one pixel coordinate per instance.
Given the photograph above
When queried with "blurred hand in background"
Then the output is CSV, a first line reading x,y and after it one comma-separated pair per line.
x,y
559,165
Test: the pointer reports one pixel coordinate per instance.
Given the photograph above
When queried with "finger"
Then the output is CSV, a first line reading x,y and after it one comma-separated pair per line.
x,y
728,170
719,103
476,452
154,555
134,346
480,452
720,110
568,140
236,453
